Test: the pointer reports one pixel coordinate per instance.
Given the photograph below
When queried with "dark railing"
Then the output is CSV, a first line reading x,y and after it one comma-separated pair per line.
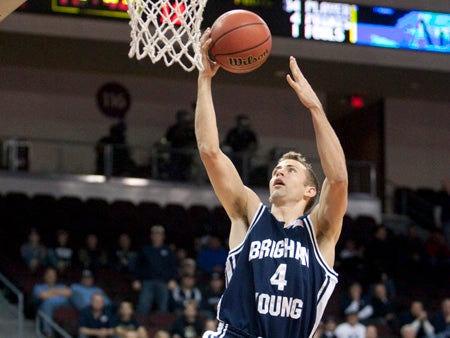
x,y
412,204
42,317
16,311
153,162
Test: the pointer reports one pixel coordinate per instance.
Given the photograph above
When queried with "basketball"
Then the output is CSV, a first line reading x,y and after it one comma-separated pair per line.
x,y
241,41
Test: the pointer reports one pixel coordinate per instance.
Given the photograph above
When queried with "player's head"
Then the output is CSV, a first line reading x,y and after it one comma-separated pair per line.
x,y
293,162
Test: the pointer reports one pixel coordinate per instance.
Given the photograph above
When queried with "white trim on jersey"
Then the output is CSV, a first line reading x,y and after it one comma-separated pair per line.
x,y
330,281
324,292
257,216
322,300
317,253
230,264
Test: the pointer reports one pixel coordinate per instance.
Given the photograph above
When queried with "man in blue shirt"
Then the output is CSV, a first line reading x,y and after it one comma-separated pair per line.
x,y
50,295
212,256
82,292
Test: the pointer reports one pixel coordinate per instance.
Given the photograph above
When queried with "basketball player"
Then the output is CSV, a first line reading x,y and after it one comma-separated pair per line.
x,y
279,269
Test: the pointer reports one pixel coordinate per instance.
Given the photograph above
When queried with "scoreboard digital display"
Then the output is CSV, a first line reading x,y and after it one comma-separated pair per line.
x,y
346,23
304,19
393,28
106,8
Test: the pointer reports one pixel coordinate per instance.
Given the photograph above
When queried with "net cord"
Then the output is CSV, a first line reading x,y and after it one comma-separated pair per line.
x,y
167,30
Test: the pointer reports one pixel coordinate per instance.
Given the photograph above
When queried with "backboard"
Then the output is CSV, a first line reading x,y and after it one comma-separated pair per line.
x,y
8,6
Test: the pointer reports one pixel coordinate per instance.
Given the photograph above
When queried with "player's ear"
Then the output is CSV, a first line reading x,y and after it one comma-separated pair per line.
x,y
310,191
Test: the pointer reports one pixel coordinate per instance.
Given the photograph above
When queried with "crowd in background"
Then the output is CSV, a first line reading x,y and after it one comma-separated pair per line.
x,y
388,281
162,279
174,158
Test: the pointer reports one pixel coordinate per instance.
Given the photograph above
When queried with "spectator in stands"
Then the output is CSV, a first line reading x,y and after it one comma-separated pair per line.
x,y
124,256
188,324
210,324
417,318
351,328
441,320
383,307
181,140
243,142
355,302
211,295
443,197
407,331
329,328
126,325
161,334
380,253
437,254
82,292
187,266
411,256
61,256
33,252
95,321
91,256
319,331
184,292
181,254
388,282
351,259
155,272
50,295
121,161
212,257
371,331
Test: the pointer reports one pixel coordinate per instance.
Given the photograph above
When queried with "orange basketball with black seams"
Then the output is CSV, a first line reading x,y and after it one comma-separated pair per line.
x,y
241,41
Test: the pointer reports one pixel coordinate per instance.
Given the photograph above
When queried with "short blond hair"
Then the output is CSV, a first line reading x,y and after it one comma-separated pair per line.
x,y
311,178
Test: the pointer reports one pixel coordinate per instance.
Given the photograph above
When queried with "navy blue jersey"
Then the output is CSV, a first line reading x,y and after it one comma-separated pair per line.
x,y
277,282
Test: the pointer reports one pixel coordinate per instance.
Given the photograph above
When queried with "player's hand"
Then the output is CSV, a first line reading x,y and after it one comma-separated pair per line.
x,y
210,67
301,86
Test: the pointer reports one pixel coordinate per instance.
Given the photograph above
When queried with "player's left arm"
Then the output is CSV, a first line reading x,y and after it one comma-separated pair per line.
x,y
328,213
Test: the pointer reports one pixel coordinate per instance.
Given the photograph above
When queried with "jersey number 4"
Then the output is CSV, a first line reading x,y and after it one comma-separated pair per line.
x,y
279,277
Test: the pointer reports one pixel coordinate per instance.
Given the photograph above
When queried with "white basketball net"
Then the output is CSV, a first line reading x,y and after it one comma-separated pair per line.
x,y
168,30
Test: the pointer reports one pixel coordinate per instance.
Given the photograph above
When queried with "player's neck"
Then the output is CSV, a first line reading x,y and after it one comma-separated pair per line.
x,y
287,213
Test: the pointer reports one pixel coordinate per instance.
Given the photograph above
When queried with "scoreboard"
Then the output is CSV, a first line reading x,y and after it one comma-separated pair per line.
x,y
302,19
346,23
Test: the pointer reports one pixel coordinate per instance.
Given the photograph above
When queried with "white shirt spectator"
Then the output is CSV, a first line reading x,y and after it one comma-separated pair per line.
x,y
351,328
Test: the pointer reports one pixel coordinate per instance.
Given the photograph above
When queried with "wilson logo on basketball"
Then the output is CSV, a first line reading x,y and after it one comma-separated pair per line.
x,y
236,62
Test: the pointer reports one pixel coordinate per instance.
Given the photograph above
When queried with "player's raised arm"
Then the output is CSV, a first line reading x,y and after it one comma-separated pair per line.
x,y
224,177
332,206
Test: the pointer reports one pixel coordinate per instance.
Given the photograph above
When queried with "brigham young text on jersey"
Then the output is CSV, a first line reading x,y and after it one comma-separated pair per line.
x,y
277,274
